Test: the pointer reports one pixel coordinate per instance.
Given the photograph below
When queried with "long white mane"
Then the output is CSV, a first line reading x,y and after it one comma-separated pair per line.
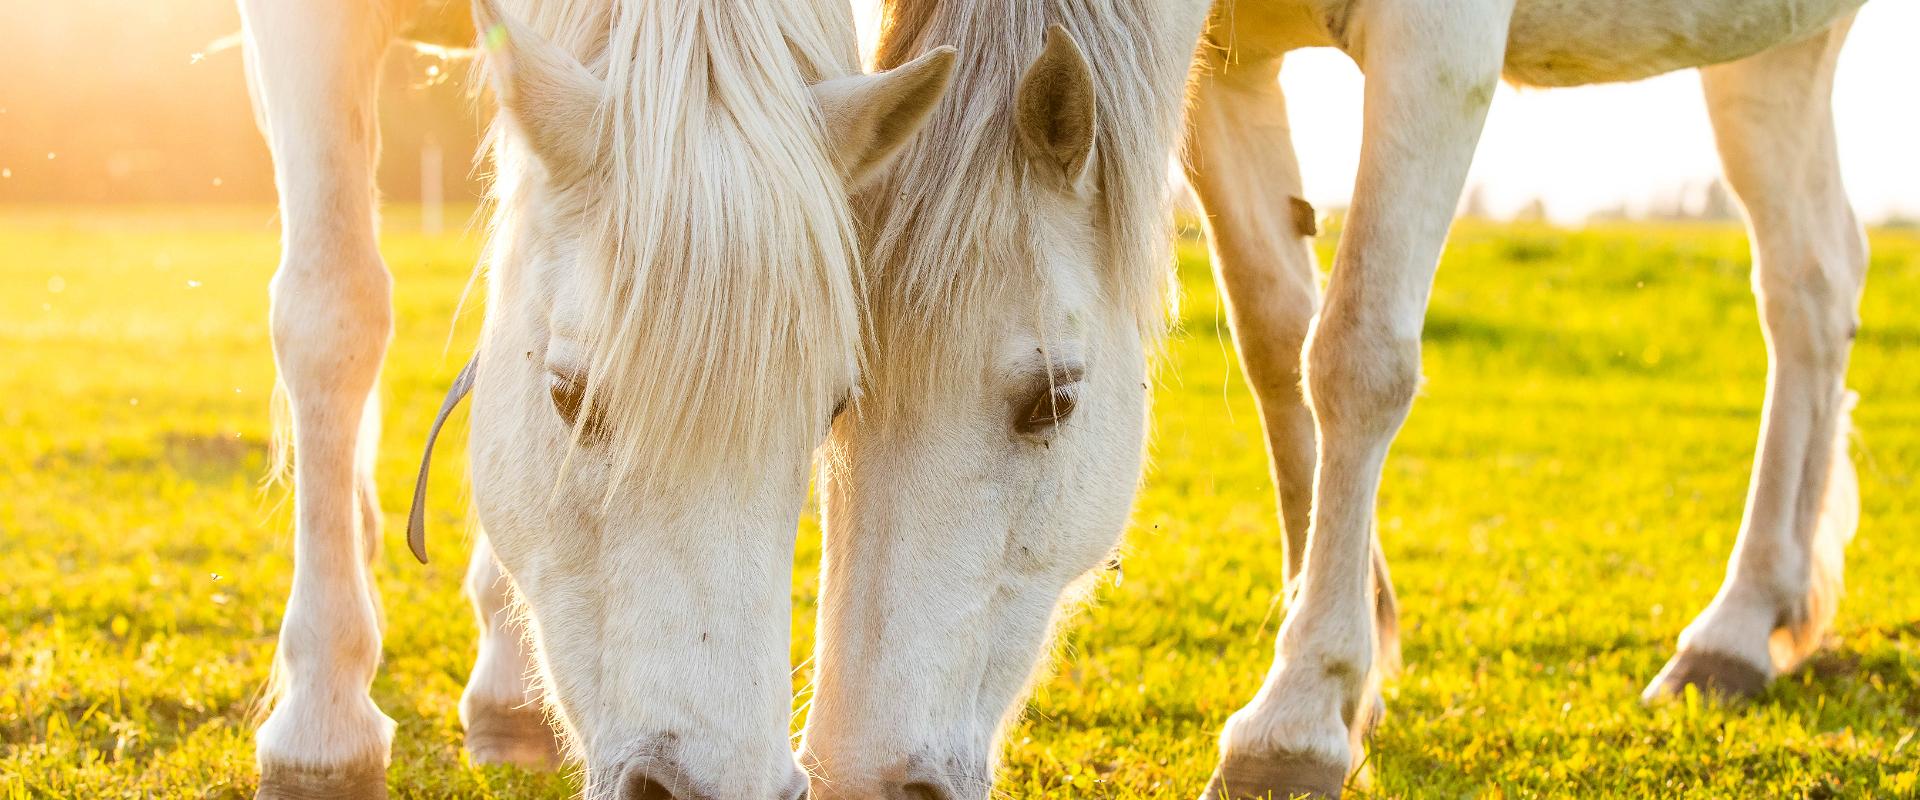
x,y
725,313
952,232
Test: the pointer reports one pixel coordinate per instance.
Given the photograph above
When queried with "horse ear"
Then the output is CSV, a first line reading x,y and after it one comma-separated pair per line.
x,y
545,90
870,117
1054,109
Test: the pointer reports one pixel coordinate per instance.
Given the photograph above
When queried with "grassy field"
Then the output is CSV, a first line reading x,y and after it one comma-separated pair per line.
x,y
1559,505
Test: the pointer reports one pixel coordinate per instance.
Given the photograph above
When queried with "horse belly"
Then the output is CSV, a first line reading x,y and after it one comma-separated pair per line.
x,y
1573,42
447,23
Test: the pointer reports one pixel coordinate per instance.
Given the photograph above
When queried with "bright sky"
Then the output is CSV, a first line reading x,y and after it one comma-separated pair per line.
x,y
1597,147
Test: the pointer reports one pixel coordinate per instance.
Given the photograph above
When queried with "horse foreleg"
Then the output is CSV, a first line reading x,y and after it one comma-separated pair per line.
x,y
313,67
1774,124
1431,71
501,708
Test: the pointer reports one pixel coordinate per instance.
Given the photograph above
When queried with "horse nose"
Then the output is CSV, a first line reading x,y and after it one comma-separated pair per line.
x,y
918,781
923,777
919,790
643,787
660,779
656,779
890,790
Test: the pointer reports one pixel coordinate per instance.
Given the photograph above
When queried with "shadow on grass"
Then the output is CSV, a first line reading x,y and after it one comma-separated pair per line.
x,y
1864,667
199,456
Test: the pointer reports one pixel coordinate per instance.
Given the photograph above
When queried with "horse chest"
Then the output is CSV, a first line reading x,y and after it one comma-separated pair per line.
x,y
1573,42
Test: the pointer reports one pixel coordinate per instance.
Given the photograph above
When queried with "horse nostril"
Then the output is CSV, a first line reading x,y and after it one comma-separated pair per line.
x,y
641,787
921,790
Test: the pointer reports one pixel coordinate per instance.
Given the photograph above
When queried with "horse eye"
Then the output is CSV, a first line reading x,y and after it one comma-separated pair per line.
x,y
1049,408
569,393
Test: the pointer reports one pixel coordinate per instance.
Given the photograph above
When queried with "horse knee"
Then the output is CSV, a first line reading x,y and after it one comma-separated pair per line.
x,y
331,319
1361,377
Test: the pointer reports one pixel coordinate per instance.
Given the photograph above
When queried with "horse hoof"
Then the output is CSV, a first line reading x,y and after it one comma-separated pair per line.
x,y
1715,674
359,782
517,736
1277,777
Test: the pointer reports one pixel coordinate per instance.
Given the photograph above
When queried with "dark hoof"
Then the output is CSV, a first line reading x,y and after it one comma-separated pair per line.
x,y
363,782
1277,777
517,736
1715,674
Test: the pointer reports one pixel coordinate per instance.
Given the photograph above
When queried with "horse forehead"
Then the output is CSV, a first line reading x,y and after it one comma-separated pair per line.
x,y
1068,255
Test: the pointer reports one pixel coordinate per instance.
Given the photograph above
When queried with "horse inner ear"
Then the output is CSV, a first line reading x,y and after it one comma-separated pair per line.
x,y
1054,109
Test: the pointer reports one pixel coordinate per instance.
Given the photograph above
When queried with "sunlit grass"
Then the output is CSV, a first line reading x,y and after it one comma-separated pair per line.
x,y
1560,503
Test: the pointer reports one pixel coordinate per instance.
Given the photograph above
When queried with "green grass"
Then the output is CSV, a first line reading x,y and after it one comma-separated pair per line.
x,y
1560,503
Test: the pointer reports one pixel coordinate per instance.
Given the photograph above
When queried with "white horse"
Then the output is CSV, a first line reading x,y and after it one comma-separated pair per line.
x,y
1019,256
673,318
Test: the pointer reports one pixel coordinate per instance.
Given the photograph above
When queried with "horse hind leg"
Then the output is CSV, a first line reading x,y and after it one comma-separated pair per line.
x,y
501,707
1774,124
1241,165
1431,72
313,68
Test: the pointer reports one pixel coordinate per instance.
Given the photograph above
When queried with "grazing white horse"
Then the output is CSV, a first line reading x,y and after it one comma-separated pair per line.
x,y
672,320
1019,253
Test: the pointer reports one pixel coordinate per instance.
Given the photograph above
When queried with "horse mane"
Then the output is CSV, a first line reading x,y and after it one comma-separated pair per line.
x,y
950,233
725,321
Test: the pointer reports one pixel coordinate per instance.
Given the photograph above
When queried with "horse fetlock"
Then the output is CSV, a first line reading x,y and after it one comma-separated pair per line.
x,y
338,637
1308,713
1737,622
1725,651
